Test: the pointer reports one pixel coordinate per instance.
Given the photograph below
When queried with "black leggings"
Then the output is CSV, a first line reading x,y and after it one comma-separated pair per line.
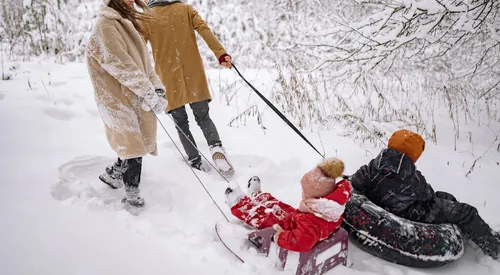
x,y
131,171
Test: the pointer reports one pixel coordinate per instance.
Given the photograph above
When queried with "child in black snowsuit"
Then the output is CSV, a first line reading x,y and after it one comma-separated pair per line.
x,y
392,181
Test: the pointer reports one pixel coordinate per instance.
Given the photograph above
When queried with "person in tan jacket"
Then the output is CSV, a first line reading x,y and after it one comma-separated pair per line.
x,y
178,62
127,92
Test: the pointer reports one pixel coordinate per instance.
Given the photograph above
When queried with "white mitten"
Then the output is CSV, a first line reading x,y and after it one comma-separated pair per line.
x,y
149,101
161,106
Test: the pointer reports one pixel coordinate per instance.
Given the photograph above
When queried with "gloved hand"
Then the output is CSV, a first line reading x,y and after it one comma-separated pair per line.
x,y
226,60
278,229
155,103
161,106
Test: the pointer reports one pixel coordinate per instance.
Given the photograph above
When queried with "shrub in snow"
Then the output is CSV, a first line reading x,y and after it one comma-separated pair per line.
x,y
368,65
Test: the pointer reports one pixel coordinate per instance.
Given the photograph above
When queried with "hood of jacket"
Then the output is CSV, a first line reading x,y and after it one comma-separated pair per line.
x,y
390,160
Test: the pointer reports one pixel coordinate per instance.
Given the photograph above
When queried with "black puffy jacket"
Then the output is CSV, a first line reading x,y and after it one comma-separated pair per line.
x,y
392,182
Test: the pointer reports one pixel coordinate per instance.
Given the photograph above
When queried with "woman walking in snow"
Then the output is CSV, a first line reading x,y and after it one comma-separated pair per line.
x,y
127,92
180,67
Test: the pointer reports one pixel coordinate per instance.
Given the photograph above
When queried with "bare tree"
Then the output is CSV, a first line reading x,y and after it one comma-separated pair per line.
x,y
464,33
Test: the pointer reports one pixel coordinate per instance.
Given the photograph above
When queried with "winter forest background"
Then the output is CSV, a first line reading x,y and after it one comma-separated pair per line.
x,y
365,64
346,72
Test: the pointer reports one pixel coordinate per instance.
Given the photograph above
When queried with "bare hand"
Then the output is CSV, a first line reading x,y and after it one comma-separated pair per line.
x,y
227,62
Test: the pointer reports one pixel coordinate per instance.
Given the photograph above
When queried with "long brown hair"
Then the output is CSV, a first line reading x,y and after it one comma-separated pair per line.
x,y
131,13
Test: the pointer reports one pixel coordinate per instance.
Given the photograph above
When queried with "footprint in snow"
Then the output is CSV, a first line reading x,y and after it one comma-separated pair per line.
x,y
93,112
58,114
66,101
168,144
58,83
78,96
43,98
79,181
78,77
2,96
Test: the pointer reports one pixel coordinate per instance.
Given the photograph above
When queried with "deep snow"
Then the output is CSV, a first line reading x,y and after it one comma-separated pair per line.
x,y
59,219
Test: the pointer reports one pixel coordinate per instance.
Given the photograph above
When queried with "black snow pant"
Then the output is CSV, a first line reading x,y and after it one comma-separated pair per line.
x,y
131,170
445,208
202,117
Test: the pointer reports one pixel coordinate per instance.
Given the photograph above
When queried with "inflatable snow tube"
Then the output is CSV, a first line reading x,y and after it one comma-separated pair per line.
x,y
399,240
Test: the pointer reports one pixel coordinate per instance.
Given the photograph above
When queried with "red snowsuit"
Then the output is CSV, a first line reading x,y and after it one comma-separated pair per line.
x,y
301,230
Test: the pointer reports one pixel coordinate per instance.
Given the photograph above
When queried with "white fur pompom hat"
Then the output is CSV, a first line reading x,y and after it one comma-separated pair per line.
x,y
106,2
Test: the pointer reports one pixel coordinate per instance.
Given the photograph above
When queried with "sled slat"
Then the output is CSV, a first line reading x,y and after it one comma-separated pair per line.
x,y
314,261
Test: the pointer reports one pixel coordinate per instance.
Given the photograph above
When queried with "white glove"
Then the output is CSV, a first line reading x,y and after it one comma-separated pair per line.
x,y
149,101
161,106
155,103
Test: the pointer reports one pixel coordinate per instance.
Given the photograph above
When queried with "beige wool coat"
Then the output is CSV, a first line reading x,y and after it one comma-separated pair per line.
x,y
177,58
122,74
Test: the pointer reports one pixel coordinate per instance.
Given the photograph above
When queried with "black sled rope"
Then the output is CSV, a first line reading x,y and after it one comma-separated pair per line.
x,y
281,115
192,170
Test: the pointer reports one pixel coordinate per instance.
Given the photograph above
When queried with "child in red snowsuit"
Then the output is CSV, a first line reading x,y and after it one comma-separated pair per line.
x,y
319,214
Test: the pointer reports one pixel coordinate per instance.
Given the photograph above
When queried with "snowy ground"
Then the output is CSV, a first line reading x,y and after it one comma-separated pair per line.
x,y
59,219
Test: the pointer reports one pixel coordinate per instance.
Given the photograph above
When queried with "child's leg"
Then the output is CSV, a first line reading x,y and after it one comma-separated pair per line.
x,y
253,187
260,212
445,196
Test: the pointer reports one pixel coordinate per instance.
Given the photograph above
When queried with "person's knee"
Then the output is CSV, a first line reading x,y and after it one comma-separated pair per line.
x,y
445,196
179,115
201,112
181,120
461,207
463,213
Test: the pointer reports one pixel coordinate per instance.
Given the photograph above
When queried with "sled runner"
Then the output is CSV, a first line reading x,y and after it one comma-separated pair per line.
x,y
323,257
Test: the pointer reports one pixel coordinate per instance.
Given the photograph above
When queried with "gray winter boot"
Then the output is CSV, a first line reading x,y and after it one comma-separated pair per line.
x,y
484,237
133,203
233,195
221,161
113,175
253,188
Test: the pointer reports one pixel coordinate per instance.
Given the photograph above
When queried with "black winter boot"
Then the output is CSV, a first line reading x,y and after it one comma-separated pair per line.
x,y
483,236
132,169
113,175
198,164
132,202
253,187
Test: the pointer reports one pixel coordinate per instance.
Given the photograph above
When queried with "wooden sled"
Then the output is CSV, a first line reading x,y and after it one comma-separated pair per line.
x,y
323,257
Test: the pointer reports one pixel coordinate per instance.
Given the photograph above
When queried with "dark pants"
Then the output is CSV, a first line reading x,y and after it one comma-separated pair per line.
x,y
202,117
445,208
131,170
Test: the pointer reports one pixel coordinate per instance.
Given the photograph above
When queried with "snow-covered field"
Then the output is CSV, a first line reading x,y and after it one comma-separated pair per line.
x,y
57,218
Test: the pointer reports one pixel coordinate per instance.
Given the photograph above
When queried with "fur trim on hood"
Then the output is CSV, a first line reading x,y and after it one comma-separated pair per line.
x,y
323,208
